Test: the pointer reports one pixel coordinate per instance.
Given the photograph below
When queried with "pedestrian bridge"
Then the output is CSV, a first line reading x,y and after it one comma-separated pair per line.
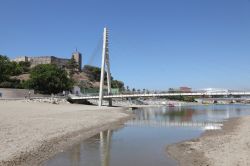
x,y
105,68
86,97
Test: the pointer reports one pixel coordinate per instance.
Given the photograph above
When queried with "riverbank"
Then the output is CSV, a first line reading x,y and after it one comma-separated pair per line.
x,y
33,132
227,147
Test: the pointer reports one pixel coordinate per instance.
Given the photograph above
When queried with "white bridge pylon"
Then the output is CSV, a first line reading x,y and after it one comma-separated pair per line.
x,y
105,64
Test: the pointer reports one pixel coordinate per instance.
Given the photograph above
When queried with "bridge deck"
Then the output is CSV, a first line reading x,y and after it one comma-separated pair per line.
x,y
163,95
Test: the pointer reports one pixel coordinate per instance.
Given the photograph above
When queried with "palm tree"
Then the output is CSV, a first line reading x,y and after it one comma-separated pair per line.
x,y
133,90
127,89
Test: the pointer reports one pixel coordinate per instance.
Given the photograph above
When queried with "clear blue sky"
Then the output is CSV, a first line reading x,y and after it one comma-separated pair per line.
x,y
154,44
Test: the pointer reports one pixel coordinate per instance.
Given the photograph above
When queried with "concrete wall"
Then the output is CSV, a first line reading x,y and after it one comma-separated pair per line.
x,y
15,93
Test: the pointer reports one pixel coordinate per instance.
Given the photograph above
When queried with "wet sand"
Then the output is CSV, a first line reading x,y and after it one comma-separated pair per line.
x,y
227,147
30,133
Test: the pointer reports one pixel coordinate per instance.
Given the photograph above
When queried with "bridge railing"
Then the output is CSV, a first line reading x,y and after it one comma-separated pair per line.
x,y
95,96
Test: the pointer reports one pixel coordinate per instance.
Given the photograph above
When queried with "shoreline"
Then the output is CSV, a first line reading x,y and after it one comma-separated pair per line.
x,y
31,133
229,146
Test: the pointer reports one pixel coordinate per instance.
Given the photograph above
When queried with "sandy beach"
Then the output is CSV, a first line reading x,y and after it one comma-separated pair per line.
x,y
227,147
33,132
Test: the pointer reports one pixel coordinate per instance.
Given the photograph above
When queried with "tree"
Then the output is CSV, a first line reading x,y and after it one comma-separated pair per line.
x,y
15,69
94,73
117,84
48,78
171,90
73,66
133,90
25,66
8,69
11,83
5,68
127,89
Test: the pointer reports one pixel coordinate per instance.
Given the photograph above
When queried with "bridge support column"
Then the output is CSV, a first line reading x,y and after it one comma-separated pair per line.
x,y
105,61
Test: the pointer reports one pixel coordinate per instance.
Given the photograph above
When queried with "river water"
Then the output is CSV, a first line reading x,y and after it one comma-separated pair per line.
x,y
143,140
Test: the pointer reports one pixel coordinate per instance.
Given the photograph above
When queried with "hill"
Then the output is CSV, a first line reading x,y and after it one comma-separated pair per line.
x,y
19,75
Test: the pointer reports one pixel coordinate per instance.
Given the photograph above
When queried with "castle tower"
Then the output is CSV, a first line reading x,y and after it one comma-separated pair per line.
x,y
78,58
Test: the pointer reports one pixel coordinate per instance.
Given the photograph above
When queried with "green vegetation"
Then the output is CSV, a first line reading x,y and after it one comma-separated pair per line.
x,y
94,74
9,69
4,68
47,79
25,66
117,84
12,83
72,66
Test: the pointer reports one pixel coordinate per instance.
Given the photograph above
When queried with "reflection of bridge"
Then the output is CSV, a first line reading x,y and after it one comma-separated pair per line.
x,y
226,99
105,141
153,123
76,154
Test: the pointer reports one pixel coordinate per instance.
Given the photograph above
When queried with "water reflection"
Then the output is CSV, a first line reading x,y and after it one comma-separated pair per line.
x,y
143,140
74,156
105,139
192,113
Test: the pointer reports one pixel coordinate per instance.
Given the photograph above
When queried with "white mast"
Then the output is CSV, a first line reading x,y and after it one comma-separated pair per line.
x,y
105,62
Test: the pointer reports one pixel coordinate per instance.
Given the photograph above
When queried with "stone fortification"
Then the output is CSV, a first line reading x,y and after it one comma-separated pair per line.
x,y
60,62
48,60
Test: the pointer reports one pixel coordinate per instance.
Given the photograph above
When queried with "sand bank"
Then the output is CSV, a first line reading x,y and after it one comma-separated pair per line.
x,y
32,132
227,147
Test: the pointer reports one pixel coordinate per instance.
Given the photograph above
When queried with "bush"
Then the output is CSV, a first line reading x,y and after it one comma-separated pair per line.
x,y
11,83
117,84
94,73
48,79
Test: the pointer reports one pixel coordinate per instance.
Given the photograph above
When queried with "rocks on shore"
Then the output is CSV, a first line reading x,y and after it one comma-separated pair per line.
x,y
51,100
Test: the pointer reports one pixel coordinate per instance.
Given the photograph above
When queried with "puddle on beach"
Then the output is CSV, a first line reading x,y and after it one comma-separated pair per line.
x,y
143,140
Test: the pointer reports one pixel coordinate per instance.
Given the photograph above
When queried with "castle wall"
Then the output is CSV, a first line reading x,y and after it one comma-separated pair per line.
x,y
21,59
34,61
60,62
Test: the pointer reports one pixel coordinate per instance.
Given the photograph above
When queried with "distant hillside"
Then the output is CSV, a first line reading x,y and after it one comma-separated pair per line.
x,y
90,78
50,78
87,79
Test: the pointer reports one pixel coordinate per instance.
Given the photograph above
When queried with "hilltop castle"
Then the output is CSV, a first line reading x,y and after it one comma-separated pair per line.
x,y
60,62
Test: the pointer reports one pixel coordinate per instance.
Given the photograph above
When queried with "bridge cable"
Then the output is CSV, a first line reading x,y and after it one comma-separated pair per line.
x,y
95,52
